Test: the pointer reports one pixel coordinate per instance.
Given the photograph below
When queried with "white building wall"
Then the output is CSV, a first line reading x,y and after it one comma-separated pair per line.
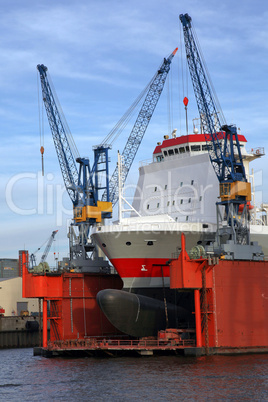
x,y
11,294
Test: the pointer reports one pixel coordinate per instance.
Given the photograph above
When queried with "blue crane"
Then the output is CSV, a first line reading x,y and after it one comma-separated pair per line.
x,y
222,144
81,185
84,185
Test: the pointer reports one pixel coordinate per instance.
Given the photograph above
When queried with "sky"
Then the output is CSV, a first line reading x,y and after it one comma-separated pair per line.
x,y
100,55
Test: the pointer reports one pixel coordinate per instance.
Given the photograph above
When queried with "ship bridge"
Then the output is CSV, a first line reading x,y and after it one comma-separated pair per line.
x,y
188,144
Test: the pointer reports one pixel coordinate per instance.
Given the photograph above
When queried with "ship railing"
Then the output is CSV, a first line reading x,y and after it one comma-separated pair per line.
x,y
259,151
146,162
120,344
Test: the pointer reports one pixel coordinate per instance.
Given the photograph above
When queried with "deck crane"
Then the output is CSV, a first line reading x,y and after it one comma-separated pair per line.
x,y
42,265
84,186
225,155
140,125
81,184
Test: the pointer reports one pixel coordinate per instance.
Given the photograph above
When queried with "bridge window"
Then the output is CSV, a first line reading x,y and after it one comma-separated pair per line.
x,y
206,147
170,152
195,148
182,150
176,150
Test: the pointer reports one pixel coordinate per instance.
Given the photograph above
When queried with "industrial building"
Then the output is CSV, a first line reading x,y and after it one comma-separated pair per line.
x,y
11,299
9,268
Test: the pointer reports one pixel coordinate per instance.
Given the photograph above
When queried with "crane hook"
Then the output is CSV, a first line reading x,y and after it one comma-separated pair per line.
x,y
42,150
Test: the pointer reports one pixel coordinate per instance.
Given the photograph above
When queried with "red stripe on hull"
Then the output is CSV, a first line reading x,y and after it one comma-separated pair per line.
x,y
141,267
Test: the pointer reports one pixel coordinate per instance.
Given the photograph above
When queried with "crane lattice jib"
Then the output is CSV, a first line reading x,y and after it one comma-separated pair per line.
x,y
227,166
64,153
140,126
48,246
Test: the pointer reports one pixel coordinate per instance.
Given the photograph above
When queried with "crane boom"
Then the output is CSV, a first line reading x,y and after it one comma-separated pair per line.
x,y
60,138
140,126
48,246
227,166
225,155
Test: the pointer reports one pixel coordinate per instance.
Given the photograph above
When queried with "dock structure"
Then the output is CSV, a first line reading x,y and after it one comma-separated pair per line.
x,y
231,301
231,311
95,346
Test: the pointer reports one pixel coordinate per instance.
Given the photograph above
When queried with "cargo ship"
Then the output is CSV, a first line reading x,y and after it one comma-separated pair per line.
x,y
176,193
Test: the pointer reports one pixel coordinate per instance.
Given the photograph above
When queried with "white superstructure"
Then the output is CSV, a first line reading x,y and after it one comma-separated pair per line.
x,y
176,193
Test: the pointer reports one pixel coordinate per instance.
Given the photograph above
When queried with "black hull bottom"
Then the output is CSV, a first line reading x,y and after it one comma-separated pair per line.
x,y
139,315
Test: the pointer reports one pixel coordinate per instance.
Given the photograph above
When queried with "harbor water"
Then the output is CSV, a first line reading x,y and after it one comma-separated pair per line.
x,y
166,378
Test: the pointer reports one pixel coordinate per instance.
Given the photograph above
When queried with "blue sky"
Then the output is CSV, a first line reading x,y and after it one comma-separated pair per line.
x,y
100,55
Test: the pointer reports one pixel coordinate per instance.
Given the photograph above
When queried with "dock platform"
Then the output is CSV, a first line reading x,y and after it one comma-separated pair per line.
x,y
115,347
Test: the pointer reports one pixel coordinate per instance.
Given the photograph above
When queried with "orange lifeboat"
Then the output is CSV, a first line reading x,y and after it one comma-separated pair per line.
x,y
241,207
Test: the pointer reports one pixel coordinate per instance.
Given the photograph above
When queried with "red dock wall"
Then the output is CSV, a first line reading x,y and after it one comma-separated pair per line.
x,y
74,312
236,299
241,303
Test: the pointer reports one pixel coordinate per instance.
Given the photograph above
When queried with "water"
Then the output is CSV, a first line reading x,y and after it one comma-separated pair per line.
x,y
168,378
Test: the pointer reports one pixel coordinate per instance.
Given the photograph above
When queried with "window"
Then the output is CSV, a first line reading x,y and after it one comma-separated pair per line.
x,y
173,203
157,205
181,183
148,206
192,182
165,153
206,147
195,148
189,200
176,150
168,204
187,148
182,150
128,243
181,201
150,243
155,189
200,198
165,186
170,152
187,217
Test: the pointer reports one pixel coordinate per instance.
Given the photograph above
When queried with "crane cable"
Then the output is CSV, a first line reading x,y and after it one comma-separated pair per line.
x,y
41,127
184,81
63,119
121,124
216,100
170,99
